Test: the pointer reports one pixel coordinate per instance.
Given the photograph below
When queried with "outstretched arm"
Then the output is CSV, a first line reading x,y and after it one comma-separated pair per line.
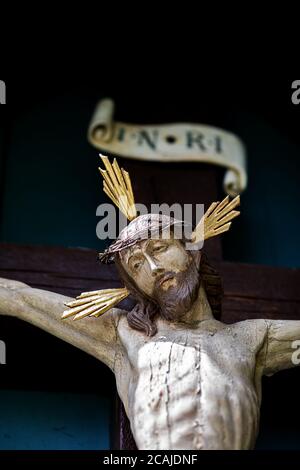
x,y
96,336
282,345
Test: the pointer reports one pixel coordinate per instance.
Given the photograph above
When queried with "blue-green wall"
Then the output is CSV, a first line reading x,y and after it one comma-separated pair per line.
x,y
267,231
51,191
32,420
52,185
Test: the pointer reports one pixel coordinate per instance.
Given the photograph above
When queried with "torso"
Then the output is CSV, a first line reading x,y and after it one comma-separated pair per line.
x,y
191,388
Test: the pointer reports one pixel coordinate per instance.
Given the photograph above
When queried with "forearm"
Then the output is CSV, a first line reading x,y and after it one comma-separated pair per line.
x,y
44,310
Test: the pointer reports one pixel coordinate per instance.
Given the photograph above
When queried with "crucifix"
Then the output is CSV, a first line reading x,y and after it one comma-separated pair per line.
x,y
187,380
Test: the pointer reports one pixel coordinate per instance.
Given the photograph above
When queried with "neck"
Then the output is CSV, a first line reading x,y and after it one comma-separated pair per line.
x,y
200,309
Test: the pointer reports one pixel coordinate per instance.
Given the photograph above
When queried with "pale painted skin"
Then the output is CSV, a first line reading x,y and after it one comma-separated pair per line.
x,y
195,389
150,259
196,383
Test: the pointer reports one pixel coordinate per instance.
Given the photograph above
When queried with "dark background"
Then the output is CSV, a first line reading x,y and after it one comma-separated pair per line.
x,y
54,396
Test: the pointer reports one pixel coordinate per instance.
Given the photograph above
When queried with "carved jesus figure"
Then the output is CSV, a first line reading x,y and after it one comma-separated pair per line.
x,y
187,380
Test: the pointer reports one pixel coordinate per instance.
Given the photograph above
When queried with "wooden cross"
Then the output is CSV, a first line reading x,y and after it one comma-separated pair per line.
x,y
250,291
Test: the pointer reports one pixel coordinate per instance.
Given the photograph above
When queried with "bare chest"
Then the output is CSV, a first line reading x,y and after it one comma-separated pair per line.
x,y
183,384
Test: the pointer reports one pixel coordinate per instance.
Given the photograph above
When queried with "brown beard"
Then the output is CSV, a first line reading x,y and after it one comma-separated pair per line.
x,y
175,301
141,316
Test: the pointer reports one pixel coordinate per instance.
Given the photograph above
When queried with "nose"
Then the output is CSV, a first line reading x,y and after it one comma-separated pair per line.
x,y
154,268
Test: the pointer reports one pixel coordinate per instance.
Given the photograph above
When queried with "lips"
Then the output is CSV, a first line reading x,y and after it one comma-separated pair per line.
x,y
165,278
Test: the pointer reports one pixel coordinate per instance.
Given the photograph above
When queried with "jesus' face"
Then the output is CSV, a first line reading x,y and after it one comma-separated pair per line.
x,y
163,270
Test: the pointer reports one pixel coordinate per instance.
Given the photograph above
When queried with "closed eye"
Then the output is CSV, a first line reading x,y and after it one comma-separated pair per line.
x,y
159,248
136,263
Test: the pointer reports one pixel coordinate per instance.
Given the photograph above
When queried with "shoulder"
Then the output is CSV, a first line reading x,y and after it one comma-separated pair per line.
x,y
255,325
11,284
253,332
118,315
112,321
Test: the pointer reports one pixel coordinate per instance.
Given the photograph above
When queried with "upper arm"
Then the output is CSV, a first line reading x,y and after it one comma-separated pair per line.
x,y
281,345
96,336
